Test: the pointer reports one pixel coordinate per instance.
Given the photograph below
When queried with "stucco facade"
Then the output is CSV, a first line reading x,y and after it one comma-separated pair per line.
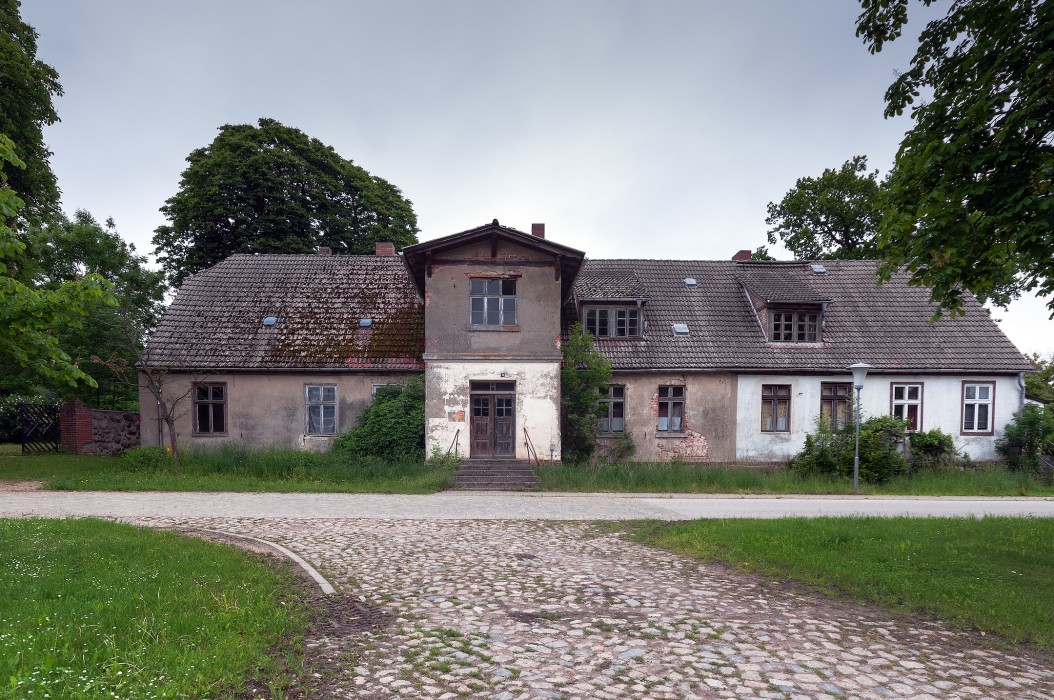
x,y
261,410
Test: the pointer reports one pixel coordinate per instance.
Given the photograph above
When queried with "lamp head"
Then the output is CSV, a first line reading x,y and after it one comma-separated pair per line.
x,y
859,371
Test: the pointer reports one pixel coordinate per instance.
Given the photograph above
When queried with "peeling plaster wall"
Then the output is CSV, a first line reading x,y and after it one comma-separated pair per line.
x,y
941,408
263,410
447,408
710,424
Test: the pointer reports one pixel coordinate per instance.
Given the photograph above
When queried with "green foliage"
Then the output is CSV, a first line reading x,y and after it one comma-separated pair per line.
x,y
931,447
585,370
28,316
969,204
995,574
829,451
832,216
95,609
272,189
621,447
145,459
1029,435
1040,384
761,253
27,86
9,414
442,459
392,427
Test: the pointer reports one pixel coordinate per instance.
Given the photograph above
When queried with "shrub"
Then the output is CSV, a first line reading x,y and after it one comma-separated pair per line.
x,y
393,427
931,447
1029,435
443,459
829,451
145,459
585,370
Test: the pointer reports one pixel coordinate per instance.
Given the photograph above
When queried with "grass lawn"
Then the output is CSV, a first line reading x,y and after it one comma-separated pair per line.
x,y
95,609
226,469
674,477
996,574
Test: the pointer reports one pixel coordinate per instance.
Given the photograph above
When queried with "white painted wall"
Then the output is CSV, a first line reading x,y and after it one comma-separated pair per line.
x,y
941,408
447,407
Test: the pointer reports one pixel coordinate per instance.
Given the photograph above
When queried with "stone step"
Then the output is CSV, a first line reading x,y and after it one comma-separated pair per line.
x,y
495,475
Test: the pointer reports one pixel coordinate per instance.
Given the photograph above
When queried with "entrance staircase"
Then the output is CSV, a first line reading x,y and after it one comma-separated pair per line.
x,y
495,475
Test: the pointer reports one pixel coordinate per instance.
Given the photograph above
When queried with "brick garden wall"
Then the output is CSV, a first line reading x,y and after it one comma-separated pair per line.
x,y
91,431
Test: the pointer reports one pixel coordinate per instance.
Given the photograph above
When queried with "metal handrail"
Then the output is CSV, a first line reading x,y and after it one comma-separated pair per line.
x,y
530,449
454,444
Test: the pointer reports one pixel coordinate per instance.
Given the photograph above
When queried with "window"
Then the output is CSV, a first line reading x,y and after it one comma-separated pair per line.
x,y
210,409
493,302
775,408
321,402
905,403
613,399
977,407
795,327
835,405
671,409
612,322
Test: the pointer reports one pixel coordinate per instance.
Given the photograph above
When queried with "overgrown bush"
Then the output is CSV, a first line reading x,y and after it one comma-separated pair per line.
x,y
145,459
443,459
1029,435
931,448
832,451
585,370
393,427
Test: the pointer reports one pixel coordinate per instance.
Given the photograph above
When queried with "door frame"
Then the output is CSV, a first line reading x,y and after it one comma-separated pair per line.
x,y
492,390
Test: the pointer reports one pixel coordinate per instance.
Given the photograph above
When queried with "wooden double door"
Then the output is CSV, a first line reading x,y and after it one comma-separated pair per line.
x,y
493,425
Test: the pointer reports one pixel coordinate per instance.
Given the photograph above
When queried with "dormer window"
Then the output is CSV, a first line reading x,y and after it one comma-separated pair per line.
x,y
795,326
493,302
612,322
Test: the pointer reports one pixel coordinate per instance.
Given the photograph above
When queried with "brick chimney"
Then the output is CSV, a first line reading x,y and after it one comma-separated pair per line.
x,y
538,230
384,249
323,250
743,255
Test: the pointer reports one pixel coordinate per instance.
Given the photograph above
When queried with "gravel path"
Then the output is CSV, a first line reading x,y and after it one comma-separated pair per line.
x,y
522,609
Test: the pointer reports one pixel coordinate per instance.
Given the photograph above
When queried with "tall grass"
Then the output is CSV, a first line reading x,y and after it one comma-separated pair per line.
x,y
996,574
679,477
94,609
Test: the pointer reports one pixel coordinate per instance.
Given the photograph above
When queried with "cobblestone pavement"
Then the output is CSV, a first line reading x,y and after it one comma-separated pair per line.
x,y
517,609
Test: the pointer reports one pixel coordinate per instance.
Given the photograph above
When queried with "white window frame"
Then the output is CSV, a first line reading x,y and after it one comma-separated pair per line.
x,y
905,402
975,402
325,401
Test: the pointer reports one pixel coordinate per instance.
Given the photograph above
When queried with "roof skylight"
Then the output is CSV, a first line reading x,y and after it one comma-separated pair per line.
x,y
818,269
269,321
680,329
690,282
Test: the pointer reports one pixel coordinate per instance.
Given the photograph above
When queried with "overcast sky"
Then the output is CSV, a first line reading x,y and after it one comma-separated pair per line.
x,y
631,129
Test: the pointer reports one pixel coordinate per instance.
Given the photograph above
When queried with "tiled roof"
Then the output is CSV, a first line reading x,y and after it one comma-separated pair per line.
x,y
887,326
600,286
216,319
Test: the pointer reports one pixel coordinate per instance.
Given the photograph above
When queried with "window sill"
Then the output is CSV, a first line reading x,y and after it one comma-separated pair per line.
x,y
775,432
965,433
210,434
494,329
670,434
791,345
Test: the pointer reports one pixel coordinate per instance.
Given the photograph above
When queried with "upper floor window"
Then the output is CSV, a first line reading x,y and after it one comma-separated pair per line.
x,y
612,322
321,404
795,327
906,404
613,399
978,398
210,409
493,301
834,403
671,409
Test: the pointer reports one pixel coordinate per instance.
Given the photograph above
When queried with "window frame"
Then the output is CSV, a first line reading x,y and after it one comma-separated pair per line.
x,y
846,399
210,401
774,399
906,402
609,401
797,325
634,319
501,299
322,403
671,400
975,402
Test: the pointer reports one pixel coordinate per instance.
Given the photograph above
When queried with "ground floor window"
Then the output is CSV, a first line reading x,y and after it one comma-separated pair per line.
x,y
775,408
671,409
321,405
835,405
906,404
210,408
613,399
978,398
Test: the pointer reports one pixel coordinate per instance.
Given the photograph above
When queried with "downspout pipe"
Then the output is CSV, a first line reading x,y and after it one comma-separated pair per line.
x,y
1021,386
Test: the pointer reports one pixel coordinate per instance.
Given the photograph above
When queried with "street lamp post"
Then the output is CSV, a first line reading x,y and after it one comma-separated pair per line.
x,y
859,371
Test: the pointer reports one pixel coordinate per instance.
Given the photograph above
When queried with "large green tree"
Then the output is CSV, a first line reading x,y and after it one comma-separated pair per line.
x,y
27,86
584,372
834,215
28,316
969,202
272,189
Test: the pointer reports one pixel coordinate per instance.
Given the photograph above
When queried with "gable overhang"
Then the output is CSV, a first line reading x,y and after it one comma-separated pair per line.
x,y
420,258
